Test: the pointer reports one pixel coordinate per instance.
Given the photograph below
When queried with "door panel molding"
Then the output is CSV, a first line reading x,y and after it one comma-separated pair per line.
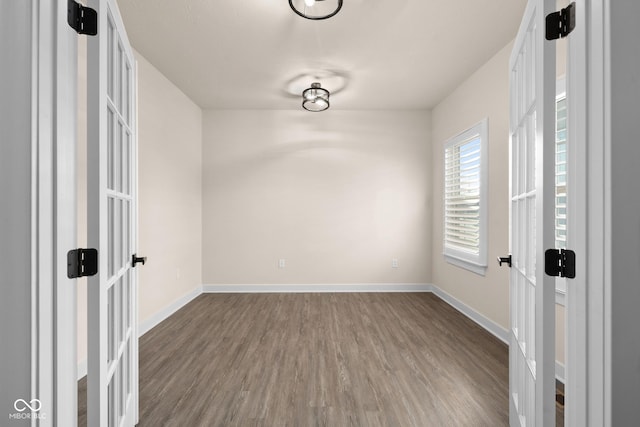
x,y
532,221
39,138
112,207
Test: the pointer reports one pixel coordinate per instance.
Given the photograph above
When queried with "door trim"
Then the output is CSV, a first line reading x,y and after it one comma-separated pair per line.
x,y
66,109
588,388
50,117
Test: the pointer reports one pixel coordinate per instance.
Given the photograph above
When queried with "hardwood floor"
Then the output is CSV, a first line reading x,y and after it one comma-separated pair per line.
x,y
320,360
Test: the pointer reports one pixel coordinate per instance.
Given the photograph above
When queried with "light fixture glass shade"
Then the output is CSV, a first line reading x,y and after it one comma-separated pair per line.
x,y
315,98
316,9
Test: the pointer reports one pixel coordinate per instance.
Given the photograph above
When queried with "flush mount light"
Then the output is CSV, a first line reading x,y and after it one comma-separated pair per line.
x,y
315,98
316,9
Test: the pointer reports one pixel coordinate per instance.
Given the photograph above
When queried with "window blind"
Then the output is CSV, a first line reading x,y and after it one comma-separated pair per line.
x,y
561,173
462,196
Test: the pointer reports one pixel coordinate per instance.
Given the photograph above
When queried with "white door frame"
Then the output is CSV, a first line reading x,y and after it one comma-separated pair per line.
x,y
588,375
57,117
65,306
575,302
46,118
589,303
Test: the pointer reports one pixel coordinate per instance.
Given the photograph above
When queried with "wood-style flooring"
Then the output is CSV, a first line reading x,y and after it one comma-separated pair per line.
x,y
334,360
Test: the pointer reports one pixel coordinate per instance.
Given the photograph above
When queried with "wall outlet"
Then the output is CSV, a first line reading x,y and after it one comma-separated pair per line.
x,y
282,263
394,263
177,273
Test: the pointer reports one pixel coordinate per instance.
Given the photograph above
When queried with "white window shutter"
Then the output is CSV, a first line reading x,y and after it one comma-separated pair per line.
x,y
464,199
462,196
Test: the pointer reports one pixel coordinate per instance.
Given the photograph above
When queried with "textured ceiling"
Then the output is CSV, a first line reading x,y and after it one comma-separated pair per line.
x,y
375,54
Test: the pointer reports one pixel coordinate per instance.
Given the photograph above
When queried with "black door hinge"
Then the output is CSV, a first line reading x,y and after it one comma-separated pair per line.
x,y
82,19
560,24
82,262
560,263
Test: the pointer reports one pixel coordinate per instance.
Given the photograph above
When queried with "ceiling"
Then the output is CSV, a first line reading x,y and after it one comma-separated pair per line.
x,y
374,54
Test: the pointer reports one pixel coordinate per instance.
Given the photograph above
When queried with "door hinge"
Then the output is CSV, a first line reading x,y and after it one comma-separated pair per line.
x,y
81,18
560,24
82,262
560,263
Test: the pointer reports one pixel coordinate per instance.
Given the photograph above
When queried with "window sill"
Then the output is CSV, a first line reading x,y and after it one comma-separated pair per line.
x,y
472,267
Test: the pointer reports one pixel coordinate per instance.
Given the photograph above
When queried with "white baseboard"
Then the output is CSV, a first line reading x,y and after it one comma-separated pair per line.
x,y
318,288
146,325
492,327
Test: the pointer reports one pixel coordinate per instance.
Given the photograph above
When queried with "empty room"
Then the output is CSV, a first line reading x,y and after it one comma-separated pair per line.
x,y
319,213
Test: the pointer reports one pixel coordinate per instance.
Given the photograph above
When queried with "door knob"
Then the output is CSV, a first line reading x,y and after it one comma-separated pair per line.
x,y
506,260
137,259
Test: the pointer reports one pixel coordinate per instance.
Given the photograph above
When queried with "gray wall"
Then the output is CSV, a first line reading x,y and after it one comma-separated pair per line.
x,y
15,213
625,214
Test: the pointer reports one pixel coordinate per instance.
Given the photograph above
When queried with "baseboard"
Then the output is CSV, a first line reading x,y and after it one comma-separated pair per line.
x,y
318,288
146,325
489,325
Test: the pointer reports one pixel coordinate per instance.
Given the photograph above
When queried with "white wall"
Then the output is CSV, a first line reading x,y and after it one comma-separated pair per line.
x,y
169,190
484,94
337,194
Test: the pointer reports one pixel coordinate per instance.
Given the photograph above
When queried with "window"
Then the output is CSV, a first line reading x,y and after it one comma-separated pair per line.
x,y
561,172
465,210
561,181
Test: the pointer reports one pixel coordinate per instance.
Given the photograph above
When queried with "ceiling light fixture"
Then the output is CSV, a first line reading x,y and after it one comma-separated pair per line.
x,y
315,98
316,9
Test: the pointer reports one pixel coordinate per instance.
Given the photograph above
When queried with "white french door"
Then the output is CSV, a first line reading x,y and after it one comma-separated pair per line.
x,y
532,188
112,382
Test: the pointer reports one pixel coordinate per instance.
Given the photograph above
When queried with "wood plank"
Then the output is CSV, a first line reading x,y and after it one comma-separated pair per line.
x,y
364,359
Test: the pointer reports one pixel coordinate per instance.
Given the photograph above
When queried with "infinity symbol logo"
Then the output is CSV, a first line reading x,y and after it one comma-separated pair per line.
x,y
21,405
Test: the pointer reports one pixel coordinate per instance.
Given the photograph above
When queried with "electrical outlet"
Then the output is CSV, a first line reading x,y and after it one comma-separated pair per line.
x,y
394,263
281,263
177,273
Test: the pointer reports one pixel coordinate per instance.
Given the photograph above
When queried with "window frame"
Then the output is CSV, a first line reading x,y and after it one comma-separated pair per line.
x,y
476,263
